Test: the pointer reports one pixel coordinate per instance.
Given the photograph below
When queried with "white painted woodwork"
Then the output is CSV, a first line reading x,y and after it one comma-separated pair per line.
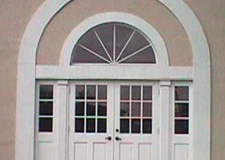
x,y
46,151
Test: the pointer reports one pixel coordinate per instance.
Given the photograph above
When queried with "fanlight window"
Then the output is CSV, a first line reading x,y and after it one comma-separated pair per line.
x,y
113,43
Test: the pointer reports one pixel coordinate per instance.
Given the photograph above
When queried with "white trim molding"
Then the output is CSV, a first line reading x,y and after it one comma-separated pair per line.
x,y
27,74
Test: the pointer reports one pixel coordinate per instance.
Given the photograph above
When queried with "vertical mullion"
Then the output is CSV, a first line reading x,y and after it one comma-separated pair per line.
x,y
114,43
141,117
96,109
130,108
85,108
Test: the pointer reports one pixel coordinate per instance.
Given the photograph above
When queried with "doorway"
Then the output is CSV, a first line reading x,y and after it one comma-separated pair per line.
x,y
113,121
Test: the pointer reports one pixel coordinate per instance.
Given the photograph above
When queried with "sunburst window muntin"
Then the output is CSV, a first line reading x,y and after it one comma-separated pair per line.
x,y
113,43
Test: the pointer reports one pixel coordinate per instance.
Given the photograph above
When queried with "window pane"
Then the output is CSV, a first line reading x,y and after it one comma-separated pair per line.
x,y
46,108
90,109
181,93
181,127
79,109
135,126
80,91
45,124
101,125
147,126
124,109
124,93
147,109
147,93
91,92
102,92
181,110
102,109
79,125
136,92
90,125
124,126
46,91
136,109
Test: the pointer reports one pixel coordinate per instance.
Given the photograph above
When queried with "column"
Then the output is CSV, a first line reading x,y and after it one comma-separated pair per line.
x,y
62,120
165,123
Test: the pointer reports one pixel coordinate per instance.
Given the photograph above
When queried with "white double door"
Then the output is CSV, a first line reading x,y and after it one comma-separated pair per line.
x,y
113,121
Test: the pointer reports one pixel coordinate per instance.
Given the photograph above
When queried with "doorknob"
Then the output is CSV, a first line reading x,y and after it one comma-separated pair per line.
x,y
108,138
118,139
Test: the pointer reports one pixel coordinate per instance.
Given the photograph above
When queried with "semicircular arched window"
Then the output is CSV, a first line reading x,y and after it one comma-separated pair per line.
x,y
113,43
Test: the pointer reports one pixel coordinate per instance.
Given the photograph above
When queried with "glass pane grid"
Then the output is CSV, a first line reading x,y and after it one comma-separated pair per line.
x,y
181,110
135,122
95,109
45,109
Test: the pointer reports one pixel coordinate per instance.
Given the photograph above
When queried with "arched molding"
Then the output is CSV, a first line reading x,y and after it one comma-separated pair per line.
x,y
27,73
152,34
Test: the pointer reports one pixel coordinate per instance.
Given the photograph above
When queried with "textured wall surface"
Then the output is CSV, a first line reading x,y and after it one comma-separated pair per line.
x,y
16,14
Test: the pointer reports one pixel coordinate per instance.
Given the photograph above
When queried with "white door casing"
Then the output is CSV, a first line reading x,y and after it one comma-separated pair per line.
x,y
26,68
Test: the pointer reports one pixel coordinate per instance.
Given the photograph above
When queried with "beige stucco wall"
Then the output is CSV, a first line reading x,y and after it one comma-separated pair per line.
x,y
156,14
14,16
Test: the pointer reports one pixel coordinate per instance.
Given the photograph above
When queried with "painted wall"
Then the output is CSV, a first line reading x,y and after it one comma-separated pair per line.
x,y
16,14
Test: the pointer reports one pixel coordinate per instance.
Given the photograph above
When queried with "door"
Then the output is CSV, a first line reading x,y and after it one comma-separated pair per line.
x,y
113,121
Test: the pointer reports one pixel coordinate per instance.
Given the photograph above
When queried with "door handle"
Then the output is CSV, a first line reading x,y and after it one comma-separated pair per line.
x,y
109,138
118,139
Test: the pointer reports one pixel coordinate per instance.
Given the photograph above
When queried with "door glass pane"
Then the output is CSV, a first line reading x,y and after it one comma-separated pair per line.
x,y
136,92
102,92
102,125
124,125
125,93
79,109
90,109
136,109
124,109
79,125
147,109
46,91
181,127
135,126
91,92
45,124
147,93
181,110
147,126
181,93
46,108
90,124
102,108
80,91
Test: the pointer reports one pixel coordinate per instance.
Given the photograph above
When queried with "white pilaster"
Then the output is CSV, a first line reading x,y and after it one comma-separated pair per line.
x,y
62,120
165,146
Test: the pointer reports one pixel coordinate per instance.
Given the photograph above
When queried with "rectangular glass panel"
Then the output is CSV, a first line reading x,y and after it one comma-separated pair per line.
x,y
181,127
135,126
124,125
90,125
124,109
80,92
147,109
181,110
147,92
136,92
136,109
91,109
46,108
45,124
79,125
91,92
102,92
102,108
147,126
79,109
181,93
125,93
46,92
102,125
